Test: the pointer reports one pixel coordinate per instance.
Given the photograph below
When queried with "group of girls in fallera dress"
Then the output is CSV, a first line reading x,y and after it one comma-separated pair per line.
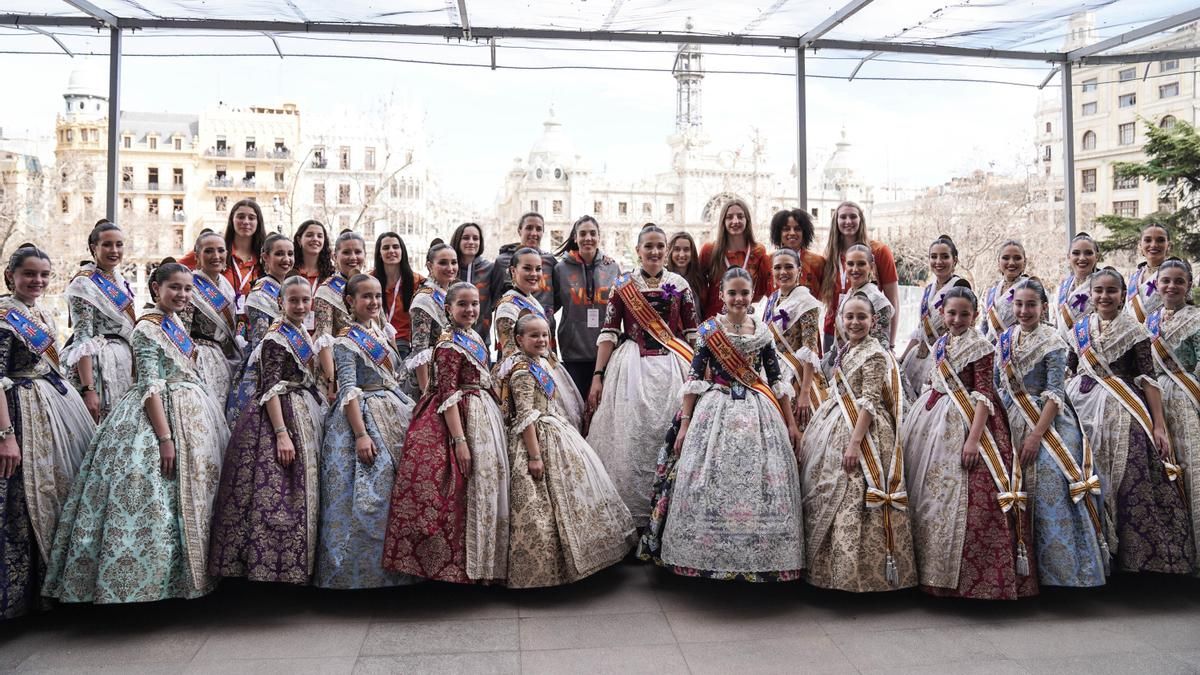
x,y
278,414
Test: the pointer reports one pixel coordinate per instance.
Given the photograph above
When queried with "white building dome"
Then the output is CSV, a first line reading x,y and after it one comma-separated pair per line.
x,y
840,170
553,151
86,84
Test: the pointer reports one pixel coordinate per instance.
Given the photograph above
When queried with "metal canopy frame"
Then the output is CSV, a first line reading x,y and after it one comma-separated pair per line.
x,y
100,19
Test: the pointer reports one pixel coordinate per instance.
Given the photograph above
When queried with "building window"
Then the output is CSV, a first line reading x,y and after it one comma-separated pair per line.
x,y
152,206
88,202
127,203
533,206
251,147
1127,74
558,174
127,177
177,178
344,193
344,158
1168,65
70,135
1168,90
153,141
318,161
251,174
1167,122
1088,108
222,203
1127,183
394,189
1126,209
1088,180
647,209
152,178
1126,100
622,208
597,208
1047,131
368,193
1088,85
1089,140
318,193
178,143
66,205
369,159
1125,134
344,222
126,142
670,211
1046,153
278,178
556,207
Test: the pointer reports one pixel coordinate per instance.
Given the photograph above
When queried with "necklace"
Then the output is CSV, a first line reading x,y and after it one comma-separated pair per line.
x,y
736,327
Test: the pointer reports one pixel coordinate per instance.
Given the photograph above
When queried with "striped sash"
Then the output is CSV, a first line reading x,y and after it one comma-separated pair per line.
x,y
1007,485
118,297
993,317
1133,295
36,337
733,362
649,320
1166,360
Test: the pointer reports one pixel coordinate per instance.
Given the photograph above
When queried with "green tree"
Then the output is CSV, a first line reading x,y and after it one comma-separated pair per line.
x,y
1173,163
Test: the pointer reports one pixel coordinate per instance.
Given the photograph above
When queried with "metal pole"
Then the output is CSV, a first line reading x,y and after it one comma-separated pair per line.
x,y
114,122
1068,150
801,131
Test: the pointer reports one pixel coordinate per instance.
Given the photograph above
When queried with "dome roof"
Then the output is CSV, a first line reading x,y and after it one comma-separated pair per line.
x,y
842,161
83,83
553,148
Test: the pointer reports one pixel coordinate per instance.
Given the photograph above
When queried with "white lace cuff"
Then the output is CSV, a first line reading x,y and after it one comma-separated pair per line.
x,y
506,367
390,330
419,358
279,389
240,342
1144,381
783,388
978,397
5,383
524,420
349,395
152,386
866,405
323,341
91,347
606,336
1051,396
451,401
697,387
806,355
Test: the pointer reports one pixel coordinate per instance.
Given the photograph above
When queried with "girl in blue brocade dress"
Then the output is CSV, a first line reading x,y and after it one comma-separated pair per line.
x,y
727,502
262,311
364,440
1065,503
44,431
135,527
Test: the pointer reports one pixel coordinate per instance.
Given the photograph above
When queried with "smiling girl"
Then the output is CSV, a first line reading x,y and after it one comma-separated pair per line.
x,y
329,307
266,512
428,309
475,269
1143,297
792,314
847,227
684,260
1048,441
44,432
1074,294
395,274
998,300
727,494
971,529
734,247
850,461
449,517
584,279
136,525
313,260
98,359
245,233
917,359
211,318
262,311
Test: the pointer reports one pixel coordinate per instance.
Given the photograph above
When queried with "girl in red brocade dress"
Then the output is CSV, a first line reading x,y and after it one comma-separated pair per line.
x,y
449,513
971,530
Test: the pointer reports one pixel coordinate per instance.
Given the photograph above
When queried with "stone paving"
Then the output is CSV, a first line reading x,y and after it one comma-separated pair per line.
x,y
632,618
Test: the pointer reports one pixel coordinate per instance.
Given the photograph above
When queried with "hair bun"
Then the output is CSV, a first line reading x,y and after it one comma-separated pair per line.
x,y
26,245
167,260
944,237
345,231
436,241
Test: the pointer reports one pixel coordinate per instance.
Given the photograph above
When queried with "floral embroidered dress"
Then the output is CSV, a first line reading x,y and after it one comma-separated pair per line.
x,y
211,320
852,526
512,306
1070,550
919,361
795,324
265,518
641,382
429,321
1146,520
571,523
52,429
443,524
1179,380
1073,302
102,317
1141,296
728,506
330,316
354,494
262,311
128,533
967,545
998,312
884,313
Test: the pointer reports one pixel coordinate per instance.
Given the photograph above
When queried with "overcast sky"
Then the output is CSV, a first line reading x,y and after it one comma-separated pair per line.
x,y
904,133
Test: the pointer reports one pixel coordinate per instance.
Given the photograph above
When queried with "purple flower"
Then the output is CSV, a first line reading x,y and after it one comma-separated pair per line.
x,y
1151,287
1011,292
1079,302
938,304
670,292
782,318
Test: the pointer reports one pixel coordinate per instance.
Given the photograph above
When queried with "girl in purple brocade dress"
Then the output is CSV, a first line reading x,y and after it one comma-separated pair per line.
x,y
265,519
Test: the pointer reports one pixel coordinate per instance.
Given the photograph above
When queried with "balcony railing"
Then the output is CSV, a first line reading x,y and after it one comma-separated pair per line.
x,y
152,186
320,163
220,181
249,182
178,217
251,152
280,185
279,153
176,187
219,152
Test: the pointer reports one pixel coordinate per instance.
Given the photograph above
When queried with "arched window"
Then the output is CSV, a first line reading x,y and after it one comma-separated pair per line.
x,y
1166,122
713,208
1089,140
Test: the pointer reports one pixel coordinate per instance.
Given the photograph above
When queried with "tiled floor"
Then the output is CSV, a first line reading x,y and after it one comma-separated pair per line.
x,y
632,618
